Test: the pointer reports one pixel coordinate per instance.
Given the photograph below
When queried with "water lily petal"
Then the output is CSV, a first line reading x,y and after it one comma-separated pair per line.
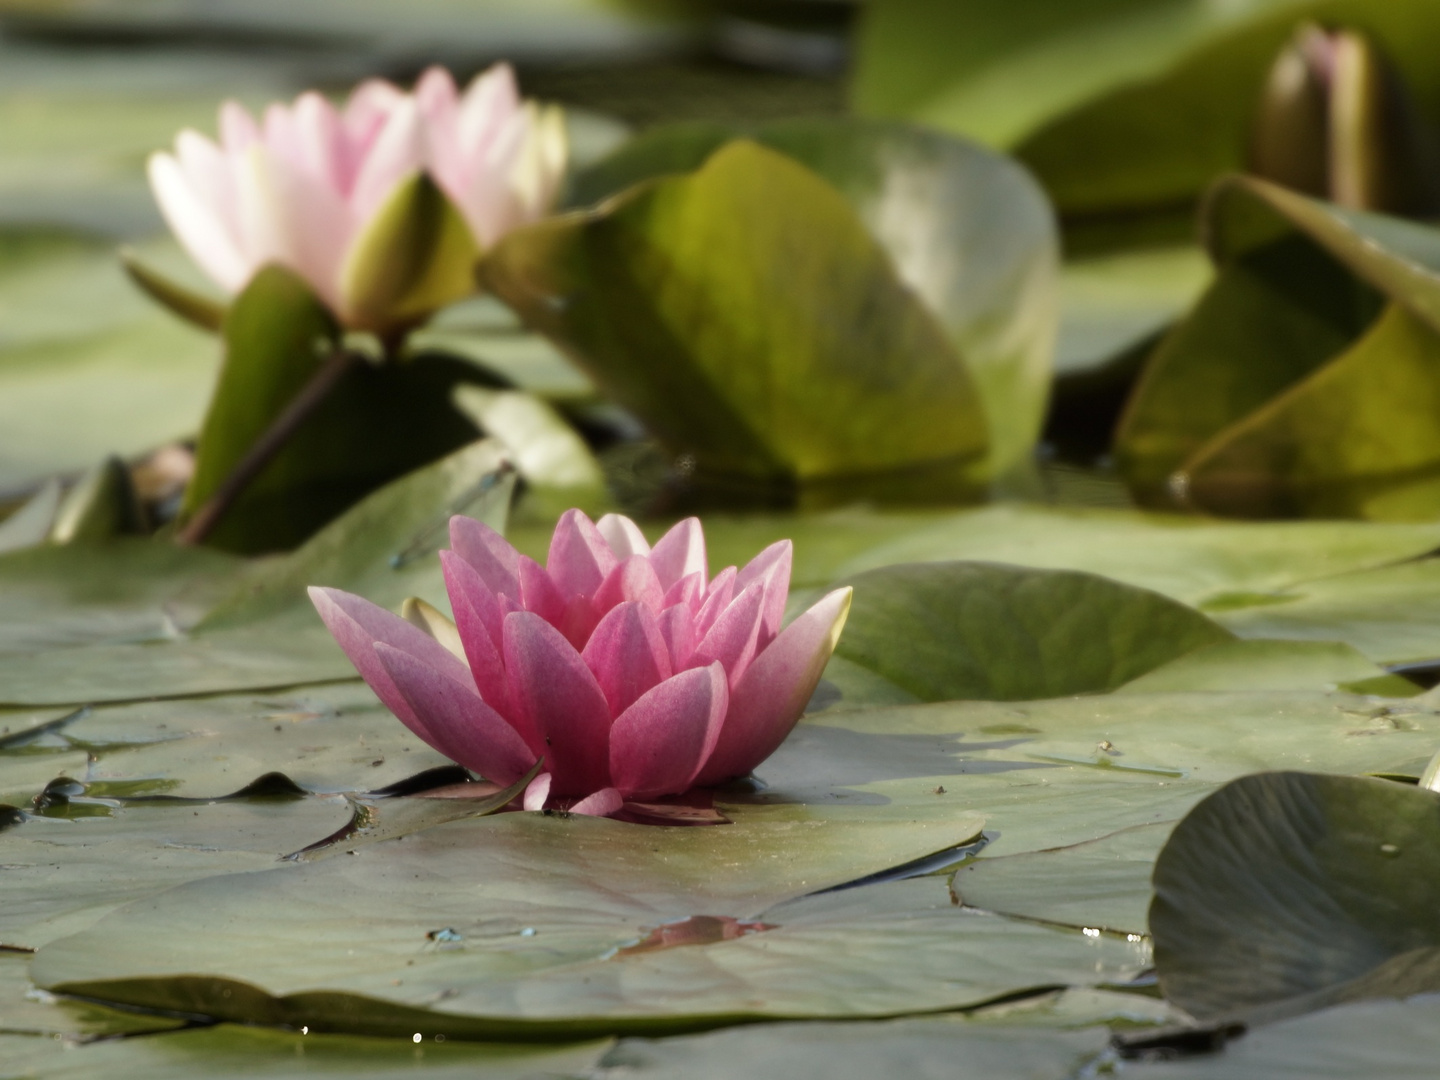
x,y
492,556
197,226
554,692
579,558
677,627
717,599
659,743
732,639
357,625
537,793
679,552
770,698
623,536
479,619
689,590
237,128
538,592
463,727
627,654
632,579
771,566
602,803
398,152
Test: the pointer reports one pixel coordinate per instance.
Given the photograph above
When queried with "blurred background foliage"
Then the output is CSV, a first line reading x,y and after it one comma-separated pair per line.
x,y
1126,112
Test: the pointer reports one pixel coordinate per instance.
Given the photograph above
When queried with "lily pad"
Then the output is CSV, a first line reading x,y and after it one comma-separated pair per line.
x,y
566,976
948,630
233,1052
1217,566
265,635
1286,891
1373,1038
923,1049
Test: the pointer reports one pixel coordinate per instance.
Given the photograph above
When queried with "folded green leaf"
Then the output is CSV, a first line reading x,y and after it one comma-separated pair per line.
x,y
967,229
1287,391
379,422
1121,106
747,316
416,256
191,306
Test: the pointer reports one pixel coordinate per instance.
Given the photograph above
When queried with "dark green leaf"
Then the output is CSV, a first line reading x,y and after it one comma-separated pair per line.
x,y
379,422
191,306
1287,891
953,630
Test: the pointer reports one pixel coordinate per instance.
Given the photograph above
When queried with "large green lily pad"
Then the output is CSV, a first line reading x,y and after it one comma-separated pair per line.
x,y
1285,891
266,635
948,630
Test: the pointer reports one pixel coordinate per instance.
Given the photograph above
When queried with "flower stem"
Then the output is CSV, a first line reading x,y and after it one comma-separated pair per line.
x,y
311,396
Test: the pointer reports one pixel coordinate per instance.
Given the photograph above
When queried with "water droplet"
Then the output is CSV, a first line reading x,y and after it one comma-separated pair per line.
x,y
1389,849
415,1037
1090,931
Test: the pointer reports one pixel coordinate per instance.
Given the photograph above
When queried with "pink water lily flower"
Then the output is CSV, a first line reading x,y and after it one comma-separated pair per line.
x,y
630,670
309,184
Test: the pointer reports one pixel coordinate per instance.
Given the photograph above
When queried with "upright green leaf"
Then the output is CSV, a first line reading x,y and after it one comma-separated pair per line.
x,y
746,315
968,230
1116,104
415,256
379,422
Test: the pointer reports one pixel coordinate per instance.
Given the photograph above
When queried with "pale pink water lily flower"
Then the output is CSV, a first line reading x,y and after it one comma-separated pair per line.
x,y
630,670
301,186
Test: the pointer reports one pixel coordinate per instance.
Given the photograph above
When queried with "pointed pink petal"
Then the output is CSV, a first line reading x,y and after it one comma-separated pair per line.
x,y
357,625
677,627
537,793
198,225
321,150
732,640
579,557
633,579
623,536
579,621
439,105
679,552
627,655
238,129
397,152
490,99
463,727
555,694
602,803
774,691
479,620
689,590
717,599
658,745
773,567
538,592
492,556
